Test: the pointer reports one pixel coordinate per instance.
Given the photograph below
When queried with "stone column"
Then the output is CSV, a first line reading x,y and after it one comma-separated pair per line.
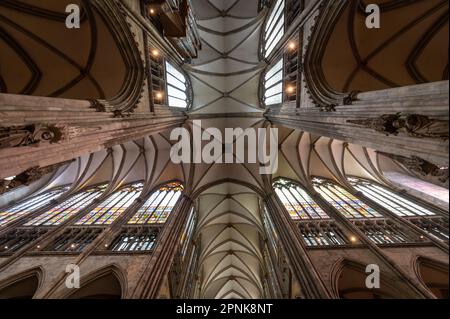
x,y
41,131
302,267
161,259
407,121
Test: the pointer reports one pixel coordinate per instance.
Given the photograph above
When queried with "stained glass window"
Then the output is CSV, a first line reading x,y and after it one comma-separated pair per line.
x,y
389,199
297,202
139,239
187,234
159,205
12,213
112,207
274,29
273,84
176,87
344,202
68,208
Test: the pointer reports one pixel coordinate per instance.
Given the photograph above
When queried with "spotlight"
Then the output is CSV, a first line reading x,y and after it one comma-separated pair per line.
x,y
353,239
159,95
152,11
292,45
290,89
155,52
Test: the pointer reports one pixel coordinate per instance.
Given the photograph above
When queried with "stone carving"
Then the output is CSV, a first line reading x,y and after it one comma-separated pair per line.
x,y
414,125
99,107
328,108
121,114
29,176
33,134
421,167
351,97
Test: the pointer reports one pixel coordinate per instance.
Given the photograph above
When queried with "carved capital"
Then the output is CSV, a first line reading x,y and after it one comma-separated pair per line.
x,y
121,114
29,176
414,125
351,97
421,167
97,105
33,134
328,108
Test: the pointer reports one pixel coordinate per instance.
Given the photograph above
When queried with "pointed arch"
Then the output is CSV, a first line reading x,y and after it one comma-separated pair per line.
x,y
388,198
433,275
30,204
348,281
106,283
23,285
159,204
72,205
297,200
112,206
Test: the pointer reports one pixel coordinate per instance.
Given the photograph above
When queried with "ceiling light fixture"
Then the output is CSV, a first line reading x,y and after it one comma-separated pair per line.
x,y
290,89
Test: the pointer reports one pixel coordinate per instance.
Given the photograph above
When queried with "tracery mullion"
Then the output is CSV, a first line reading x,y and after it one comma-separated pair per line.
x,y
379,198
176,89
307,202
342,209
78,205
299,204
136,219
275,84
74,242
278,27
46,216
163,195
125,200
24,208
275,12
30,203
353,203
317,235
178,79
161,217
285,193
273,25
96,213
278,73
88,237
417,209
280,193
60,243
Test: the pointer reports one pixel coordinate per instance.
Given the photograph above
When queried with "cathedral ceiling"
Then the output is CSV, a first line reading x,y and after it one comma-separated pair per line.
x,y
225,80
40,56
225,77
411,47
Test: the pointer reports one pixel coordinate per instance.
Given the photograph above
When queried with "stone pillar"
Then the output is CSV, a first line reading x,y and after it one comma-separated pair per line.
x,y
302,267
161,259
41,131
407,121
